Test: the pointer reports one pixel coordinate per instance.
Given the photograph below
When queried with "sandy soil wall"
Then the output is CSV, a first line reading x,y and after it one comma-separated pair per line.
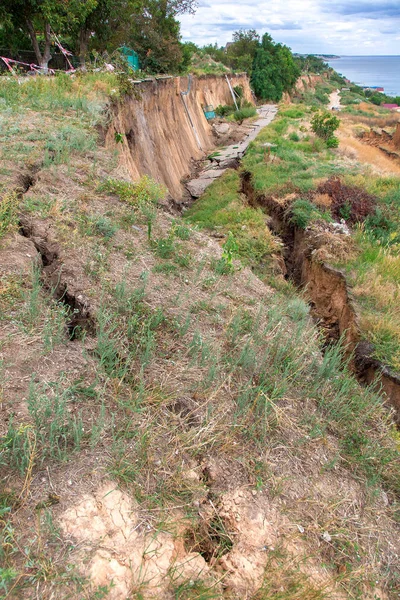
x,y
158,136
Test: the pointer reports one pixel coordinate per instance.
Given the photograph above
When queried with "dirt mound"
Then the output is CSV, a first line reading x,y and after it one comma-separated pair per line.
x,y
349,202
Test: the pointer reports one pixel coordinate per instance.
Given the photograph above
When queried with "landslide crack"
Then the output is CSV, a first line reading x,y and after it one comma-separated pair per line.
x,y
327,290
79,317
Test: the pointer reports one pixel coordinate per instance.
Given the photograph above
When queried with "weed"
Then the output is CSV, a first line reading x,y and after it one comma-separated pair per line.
x,y
283,582
166,268
145,191
220,266
67,141
164,247
181,231
42,206
294,137
195,590
230,248
33,304
54,328
9,205
107,347
7,576
53,433
103,226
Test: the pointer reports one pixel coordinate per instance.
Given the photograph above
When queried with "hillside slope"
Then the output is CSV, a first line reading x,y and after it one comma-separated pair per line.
x,y
164,131
170,427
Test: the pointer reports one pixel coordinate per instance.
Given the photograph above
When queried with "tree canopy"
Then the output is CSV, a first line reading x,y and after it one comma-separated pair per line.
x,y
97,24
274,70
152,28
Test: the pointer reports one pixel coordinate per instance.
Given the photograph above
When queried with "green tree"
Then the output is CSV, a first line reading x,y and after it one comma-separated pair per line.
x,y
155,34
274,70
240,54
31,17
311,64
324,124
216,52
37,19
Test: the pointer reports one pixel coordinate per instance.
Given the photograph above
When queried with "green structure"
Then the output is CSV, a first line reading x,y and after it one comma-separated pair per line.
x,y
131,57
209,112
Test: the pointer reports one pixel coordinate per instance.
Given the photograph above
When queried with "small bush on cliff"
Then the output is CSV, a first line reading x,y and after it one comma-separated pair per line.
x,y
244,113
224,110
324,124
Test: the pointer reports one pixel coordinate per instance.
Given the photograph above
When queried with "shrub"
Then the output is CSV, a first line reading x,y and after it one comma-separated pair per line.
x,y
324,124
244,113
382,229
332,142
224,110
292,113
144,191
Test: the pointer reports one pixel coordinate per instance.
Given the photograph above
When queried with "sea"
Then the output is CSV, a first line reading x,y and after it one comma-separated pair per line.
x,y
381,71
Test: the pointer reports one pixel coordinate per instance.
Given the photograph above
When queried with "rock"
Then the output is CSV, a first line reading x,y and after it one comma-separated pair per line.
x,y
197,187
326,537
221,128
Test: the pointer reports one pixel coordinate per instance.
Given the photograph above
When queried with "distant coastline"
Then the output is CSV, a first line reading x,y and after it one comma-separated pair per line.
x,y
370,71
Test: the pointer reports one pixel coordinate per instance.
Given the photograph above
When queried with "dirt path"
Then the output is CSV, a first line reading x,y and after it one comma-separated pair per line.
x,y
224,157
334,100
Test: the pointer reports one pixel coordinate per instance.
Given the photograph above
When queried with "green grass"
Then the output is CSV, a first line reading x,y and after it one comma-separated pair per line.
x,y
66,141
223,209
9,206
83,95
244,113
295,166
304,212
145,191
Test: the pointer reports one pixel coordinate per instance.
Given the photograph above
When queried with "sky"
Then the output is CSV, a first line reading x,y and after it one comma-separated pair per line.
x,y
342,27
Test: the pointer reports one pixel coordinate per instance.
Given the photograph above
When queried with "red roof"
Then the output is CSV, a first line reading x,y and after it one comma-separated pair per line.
x,y
390,105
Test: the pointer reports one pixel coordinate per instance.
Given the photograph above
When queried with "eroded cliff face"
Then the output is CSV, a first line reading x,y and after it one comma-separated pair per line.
x,y
160,136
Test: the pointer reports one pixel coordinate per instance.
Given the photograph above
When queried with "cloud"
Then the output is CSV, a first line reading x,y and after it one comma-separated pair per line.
x,y
307,26
368,9
288,26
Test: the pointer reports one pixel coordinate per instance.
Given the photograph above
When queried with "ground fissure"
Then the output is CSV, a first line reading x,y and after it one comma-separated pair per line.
x,y
325,287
